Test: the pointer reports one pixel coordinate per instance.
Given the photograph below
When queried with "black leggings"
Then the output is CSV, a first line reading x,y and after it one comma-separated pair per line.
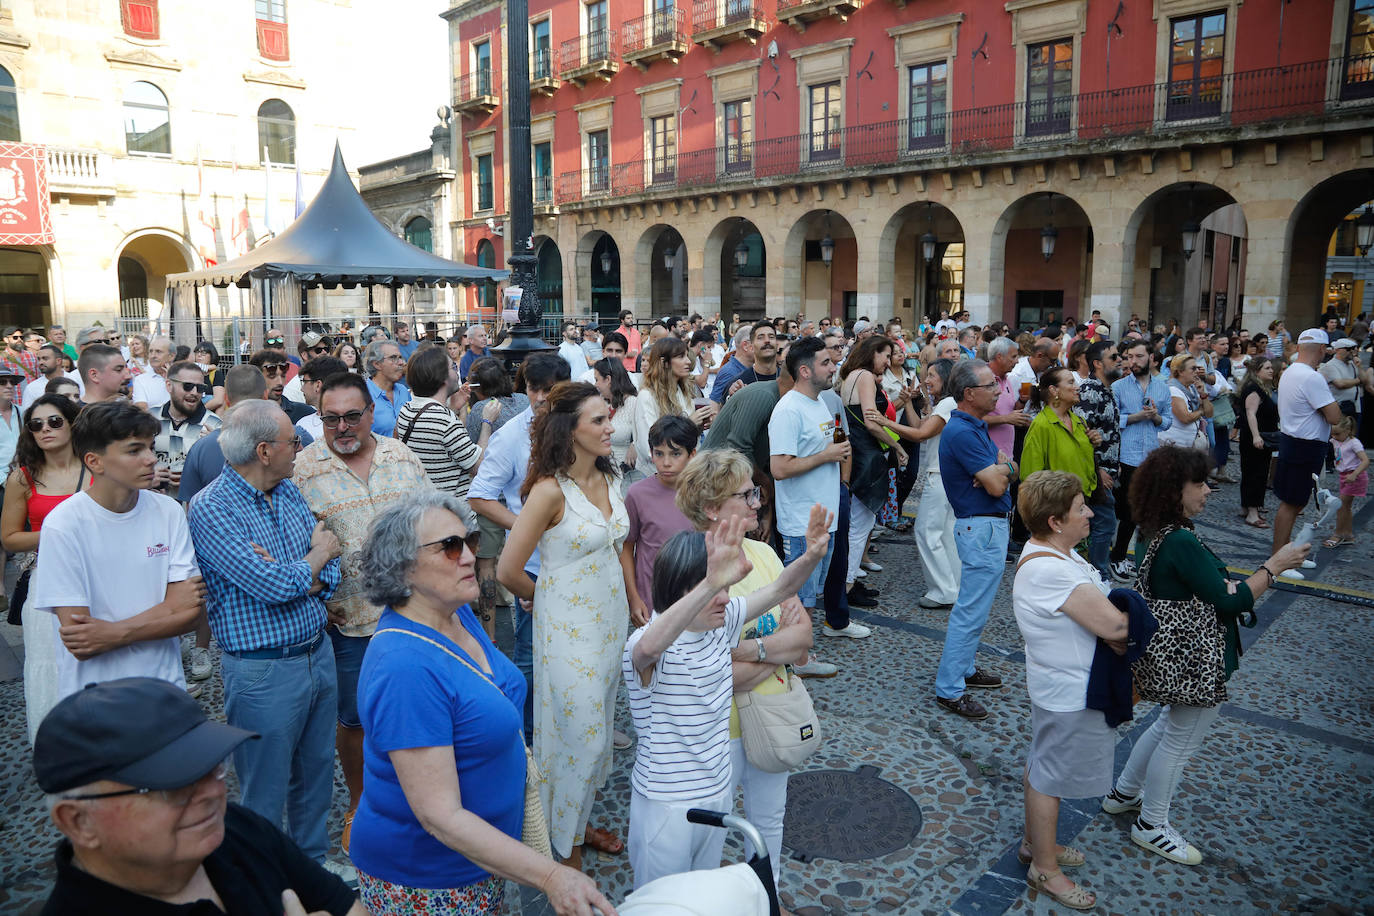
x,y
1125,522
1254,473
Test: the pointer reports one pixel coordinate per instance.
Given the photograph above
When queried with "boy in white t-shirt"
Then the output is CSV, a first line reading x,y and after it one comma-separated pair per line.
x,y
677,669
117,568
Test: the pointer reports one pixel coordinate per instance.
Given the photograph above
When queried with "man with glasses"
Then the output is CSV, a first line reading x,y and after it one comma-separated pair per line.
x,y
92,335
137,773
384,367
204,459
104,373
9,418
49,367
58,335
184,421
17,357
977,476
311,345
311,378
276,370
276,340
149,389
269,566
346,481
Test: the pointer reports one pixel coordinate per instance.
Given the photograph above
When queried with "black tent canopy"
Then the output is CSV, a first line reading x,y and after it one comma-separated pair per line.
x,y
338,241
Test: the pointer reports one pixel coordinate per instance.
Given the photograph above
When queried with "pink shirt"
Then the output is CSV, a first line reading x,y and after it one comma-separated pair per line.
x,y
1348,454
632,338
654,518
1003,435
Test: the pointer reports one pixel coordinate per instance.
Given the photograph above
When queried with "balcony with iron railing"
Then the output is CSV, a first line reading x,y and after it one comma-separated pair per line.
x,y
797,13
661,35
543,194
595,55
716,23
476,92
543,79
1159,114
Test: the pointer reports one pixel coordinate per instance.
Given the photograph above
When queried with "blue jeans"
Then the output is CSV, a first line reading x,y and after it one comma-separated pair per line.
x,y
982,545
1101,531
348,662
794,546
292,703
523,623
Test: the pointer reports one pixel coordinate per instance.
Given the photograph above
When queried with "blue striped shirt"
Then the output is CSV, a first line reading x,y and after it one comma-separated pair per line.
x,y
255,603
1140,438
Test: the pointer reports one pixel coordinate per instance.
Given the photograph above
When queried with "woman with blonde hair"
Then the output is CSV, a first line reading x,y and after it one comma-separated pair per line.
x,y
667,388
138,354
713,490
1189,404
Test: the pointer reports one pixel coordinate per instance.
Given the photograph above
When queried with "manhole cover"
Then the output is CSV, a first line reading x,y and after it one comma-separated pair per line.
x,y
836,814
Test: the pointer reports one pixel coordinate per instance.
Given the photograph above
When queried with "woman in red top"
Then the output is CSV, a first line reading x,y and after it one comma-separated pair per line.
x,y
46,471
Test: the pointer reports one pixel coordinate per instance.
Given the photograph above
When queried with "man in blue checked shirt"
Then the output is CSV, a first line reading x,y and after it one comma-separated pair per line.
x,y
268,567
1143,405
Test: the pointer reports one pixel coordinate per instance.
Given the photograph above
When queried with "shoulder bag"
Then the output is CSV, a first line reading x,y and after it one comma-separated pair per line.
x,y
1185,661
535,833
410,431
778,730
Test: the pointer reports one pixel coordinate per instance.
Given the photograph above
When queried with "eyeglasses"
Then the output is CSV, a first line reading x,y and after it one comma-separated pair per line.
x,y
177,798
294,442
188,387
56,421
334,420
271,371
319,350
276,341
752,496
394,358
453,545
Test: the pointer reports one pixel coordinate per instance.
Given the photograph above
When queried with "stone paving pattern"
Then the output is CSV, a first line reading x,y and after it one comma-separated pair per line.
x,y
1278,799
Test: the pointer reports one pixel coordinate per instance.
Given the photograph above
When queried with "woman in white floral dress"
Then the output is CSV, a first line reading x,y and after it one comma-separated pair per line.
x,y
574,513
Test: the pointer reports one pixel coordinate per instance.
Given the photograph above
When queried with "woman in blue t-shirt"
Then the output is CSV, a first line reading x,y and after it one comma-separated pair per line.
x,y
442,809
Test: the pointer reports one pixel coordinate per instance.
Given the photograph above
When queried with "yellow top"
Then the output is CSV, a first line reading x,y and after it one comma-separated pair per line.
x,y
767,568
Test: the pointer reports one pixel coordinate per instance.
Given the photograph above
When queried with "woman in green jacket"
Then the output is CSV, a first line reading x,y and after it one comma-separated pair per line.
x,y
1057,439
1168,491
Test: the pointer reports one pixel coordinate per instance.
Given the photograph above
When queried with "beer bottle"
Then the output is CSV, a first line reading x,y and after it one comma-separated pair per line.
x,y
839,429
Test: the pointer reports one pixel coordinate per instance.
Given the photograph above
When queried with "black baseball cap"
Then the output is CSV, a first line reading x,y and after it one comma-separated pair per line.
x,y
144,732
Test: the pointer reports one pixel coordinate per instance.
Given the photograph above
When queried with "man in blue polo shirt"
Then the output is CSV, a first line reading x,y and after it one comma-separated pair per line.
x,y
977,477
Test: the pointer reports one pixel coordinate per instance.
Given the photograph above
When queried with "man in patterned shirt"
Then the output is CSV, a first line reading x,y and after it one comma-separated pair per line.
x,y
347,479
269,567
1096,370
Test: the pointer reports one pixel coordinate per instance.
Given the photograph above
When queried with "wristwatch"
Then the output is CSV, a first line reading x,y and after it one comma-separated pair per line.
x,y
763,655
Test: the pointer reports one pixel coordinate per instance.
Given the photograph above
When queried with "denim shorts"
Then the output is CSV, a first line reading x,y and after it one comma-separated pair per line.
x,y
348,661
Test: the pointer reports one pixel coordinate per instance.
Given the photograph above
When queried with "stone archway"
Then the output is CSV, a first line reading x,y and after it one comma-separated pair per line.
x,y
912,283
735,275
660,280
1031,285
598,271
1310,227
150,255
822,289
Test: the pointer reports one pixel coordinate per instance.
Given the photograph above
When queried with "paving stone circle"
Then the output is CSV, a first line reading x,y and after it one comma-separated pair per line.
x,y
847,816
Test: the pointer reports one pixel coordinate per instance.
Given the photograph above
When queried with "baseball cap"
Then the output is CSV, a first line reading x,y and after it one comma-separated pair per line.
x,y
860,326
311,339
141,731
1343,343
1313,336
10,373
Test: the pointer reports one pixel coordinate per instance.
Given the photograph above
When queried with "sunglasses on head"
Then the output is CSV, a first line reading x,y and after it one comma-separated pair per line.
x,y
188,387
56,421
453,545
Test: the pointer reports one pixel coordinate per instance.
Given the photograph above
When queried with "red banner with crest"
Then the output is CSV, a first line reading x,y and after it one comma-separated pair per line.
x,y
24,215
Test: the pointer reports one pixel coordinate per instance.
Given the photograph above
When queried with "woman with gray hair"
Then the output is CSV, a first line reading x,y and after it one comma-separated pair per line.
x,y
439,823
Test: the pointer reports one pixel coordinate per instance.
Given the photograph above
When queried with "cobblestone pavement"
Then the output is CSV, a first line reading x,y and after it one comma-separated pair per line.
x,y
1278,798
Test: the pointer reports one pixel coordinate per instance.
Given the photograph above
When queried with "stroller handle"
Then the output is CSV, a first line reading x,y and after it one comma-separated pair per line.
x,y
721,819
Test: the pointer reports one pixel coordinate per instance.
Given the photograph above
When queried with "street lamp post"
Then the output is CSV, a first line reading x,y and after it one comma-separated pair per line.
x,y
526,336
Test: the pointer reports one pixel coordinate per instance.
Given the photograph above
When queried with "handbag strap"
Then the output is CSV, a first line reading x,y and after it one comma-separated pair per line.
x,y
405,438
438,645
1035,556
1147,564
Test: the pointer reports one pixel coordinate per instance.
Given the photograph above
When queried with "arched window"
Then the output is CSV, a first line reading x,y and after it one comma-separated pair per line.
x,y
9,107
147,126
418,233
486,292
277,131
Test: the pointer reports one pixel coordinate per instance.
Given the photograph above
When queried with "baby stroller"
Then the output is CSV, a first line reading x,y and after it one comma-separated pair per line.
x,y
745,889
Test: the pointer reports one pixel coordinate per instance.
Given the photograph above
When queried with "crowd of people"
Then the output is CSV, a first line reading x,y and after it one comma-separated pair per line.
x,y
674,510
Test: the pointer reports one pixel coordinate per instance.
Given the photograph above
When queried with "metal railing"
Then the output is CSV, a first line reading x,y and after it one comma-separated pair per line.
x,y
476,85
661,27
715,14
542,64
586,50
1274,94
543,189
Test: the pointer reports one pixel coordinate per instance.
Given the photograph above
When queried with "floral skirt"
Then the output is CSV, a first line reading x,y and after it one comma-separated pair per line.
x,y
891,513
382,898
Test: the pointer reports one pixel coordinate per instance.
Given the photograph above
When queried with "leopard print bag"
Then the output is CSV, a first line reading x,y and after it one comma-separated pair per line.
x,y
1185,661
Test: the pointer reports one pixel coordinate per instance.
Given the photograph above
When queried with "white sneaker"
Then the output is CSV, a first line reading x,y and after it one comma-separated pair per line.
x,y
1166,841
861,574
871,566
346,873
1116,803
194,690
814,668
198,665
1292,574
853,631
1309,564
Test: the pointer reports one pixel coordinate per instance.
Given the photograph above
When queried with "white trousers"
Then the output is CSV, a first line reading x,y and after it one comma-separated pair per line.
x,y
934,532
861,523
663,842
765,801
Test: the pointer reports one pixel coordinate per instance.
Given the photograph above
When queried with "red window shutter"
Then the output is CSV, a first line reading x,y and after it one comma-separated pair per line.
x,y
272,43
139,18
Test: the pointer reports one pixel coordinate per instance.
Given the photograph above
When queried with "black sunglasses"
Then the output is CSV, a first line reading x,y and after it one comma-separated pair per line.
x,y
319,350
453,545
56,421
332,420
194,386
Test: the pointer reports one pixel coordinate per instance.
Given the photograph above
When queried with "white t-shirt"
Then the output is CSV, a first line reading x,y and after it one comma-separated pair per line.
x,y
574,356
293,391
682,717
589,377
39,387
1059,651
1023,371
151,389
930,449
1302,394
801,426
118,565
1180,433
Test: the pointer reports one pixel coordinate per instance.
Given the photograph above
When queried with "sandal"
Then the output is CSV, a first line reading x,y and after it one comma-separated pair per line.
x,y
1338,542
1257,523
603,841
1067,858
1076,898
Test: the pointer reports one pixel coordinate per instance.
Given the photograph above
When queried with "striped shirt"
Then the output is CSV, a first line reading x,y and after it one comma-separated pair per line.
x,y
682,716
438,439
254,602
